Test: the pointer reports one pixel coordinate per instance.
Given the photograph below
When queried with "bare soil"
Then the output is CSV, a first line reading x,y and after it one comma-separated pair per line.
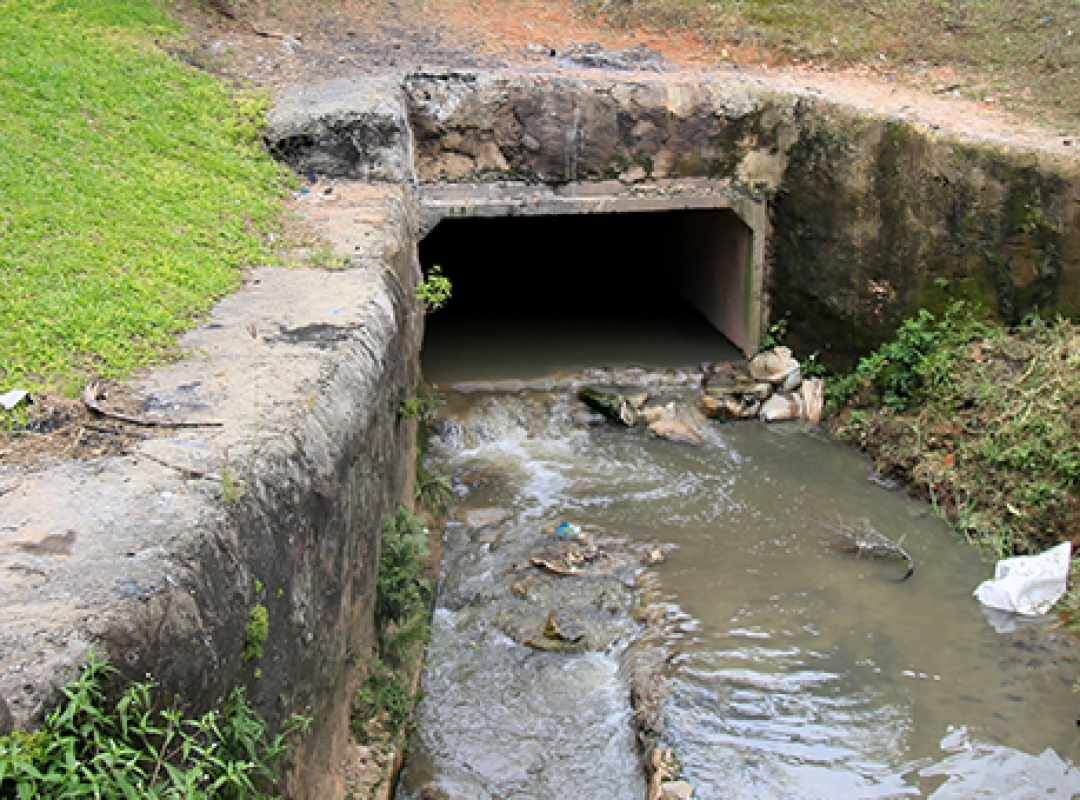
x,y
349,37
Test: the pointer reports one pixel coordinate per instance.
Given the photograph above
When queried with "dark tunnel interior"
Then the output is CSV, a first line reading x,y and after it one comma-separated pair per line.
x,y
536,296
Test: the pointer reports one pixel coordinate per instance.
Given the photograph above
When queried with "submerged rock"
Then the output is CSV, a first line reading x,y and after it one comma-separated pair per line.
x,y
676,790
561,625
476,518
613,406
675,431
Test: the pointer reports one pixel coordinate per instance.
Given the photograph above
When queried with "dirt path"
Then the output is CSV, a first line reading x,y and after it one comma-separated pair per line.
x,y
352,38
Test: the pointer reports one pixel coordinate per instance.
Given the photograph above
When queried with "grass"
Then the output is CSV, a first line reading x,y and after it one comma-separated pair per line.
x,y
132,191
981,420
1022,53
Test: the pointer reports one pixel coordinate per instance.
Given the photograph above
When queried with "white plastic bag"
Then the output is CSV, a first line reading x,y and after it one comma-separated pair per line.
x,y
1028,584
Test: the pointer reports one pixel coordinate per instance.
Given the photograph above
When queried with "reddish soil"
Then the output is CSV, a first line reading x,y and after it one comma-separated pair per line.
x,y
349,37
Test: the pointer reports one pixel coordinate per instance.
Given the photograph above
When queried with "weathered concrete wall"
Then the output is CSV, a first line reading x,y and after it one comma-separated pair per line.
x,y
874,219
160,556
869,218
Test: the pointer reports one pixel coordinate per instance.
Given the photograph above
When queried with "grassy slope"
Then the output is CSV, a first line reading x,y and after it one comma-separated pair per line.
x,y
1023,53
131,191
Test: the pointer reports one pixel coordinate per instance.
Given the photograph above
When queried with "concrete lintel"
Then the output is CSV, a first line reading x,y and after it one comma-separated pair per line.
x,y
441,201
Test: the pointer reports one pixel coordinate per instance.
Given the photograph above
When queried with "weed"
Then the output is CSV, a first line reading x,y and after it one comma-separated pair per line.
x,y
140,749
433,489
256,632
979,419
902,372
385,701
402,590
324,256
433,291
775,335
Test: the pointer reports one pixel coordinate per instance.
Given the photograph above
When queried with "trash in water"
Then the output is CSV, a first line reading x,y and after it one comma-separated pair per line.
x,y
774,366
613,406
567,531
782,406
1028,585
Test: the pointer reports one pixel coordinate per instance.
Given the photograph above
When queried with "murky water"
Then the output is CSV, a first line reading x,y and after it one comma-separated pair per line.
x,y
795,669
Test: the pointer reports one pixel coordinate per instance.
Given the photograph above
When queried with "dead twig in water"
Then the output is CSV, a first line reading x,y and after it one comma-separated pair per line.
x,y
865,540
95,391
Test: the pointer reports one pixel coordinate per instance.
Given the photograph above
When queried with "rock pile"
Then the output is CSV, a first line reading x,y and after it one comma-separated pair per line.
x,y
770,387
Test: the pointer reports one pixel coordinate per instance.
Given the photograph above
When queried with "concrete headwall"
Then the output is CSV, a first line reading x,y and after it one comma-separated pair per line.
x,y
861,219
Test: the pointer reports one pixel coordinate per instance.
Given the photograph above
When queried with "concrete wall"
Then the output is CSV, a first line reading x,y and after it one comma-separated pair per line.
x,y
861,219
158,557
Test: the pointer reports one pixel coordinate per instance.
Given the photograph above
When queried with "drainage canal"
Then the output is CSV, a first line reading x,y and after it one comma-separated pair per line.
x,y
770,662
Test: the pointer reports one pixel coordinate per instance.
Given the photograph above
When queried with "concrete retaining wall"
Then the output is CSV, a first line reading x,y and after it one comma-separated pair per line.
x,y
159,557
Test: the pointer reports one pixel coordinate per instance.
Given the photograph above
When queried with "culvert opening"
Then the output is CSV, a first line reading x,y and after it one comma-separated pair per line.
x,y
541,295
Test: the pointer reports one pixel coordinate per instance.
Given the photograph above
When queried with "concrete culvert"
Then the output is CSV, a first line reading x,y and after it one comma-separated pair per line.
x,y
572,291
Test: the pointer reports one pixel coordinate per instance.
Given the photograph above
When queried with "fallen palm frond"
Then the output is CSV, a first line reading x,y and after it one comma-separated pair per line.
x,y
865,540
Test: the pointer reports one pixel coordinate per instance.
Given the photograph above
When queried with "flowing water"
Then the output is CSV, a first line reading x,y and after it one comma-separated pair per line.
x,y
794,669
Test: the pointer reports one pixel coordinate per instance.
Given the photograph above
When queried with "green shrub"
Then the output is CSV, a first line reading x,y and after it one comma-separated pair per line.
x,y
402,589
901,373
256,632
384,692
140,749
434,290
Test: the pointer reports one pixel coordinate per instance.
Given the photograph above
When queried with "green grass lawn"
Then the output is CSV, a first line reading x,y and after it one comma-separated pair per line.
x,y
133,192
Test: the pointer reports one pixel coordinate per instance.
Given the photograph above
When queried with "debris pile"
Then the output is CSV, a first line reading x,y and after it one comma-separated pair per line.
x,y
770,387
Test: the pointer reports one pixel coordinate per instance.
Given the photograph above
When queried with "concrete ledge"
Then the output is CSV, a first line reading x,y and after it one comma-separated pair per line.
x,y
161,555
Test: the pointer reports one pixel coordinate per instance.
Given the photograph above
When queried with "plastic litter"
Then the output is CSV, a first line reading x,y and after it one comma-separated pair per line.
x,y
782,406
13,398
568,531
1028,585
773,366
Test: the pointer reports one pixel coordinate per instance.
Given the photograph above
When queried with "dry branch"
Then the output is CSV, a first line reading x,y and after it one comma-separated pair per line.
x,y
93,392
865,540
